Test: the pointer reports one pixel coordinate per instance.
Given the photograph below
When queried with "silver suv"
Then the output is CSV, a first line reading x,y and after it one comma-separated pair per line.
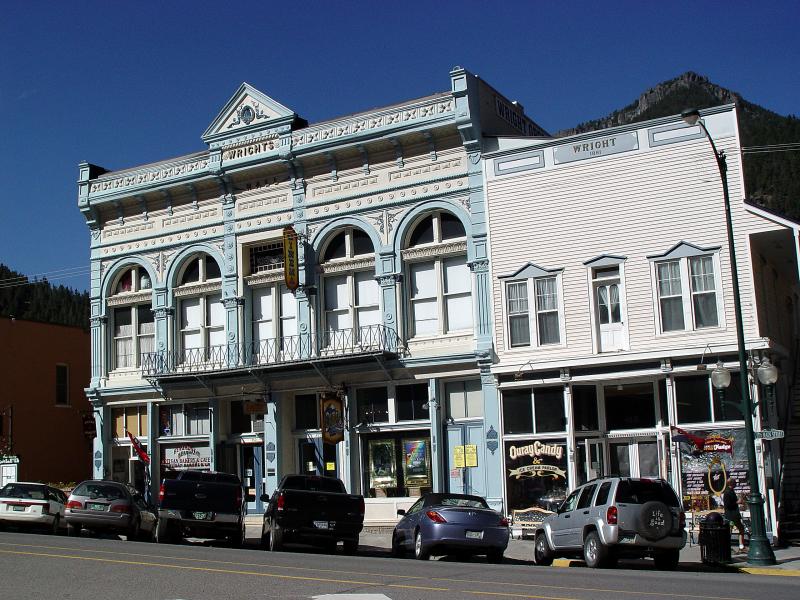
x,y
613,517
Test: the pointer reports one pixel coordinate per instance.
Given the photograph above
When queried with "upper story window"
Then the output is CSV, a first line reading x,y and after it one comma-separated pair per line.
x,y
274,322
351,295
132,324
201,313
185,419
608,303
533,307
266,257
540,410
440,292
687,288
62,385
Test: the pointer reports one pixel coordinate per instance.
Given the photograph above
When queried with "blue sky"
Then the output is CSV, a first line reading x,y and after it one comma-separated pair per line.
x,y
126,83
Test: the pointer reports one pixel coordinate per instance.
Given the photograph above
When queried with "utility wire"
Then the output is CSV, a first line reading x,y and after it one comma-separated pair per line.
x,y
50,276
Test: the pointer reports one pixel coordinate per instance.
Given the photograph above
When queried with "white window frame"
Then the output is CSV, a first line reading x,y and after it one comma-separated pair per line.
x,y
139,295
182,409
593,278
687,293
279,320
533,312
437,253
204,289
348,267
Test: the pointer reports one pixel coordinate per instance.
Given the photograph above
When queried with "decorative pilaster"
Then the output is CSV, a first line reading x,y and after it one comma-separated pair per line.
x,y
388,283
438,445
102,438
272,474
572,468
213,436
491,454
163,317
233,307
153,428
482,310
98,335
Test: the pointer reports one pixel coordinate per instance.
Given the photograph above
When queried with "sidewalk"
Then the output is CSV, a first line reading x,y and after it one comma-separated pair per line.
x,y
375,542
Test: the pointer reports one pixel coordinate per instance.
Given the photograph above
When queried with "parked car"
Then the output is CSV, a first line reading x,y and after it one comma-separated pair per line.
x,y
615,517
203,504
109,506
439,524
312,510
26,504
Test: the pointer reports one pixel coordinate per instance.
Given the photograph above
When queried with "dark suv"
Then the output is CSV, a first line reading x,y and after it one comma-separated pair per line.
x,y
615,517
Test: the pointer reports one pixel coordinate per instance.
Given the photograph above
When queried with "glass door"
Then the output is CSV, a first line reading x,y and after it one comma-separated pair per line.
x,y
634,458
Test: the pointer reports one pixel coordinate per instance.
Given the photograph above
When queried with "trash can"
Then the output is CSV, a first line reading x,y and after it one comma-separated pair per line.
x,y
715,540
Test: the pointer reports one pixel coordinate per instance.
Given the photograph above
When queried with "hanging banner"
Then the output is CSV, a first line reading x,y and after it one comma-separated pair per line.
x,y
291,274
140,451
331,418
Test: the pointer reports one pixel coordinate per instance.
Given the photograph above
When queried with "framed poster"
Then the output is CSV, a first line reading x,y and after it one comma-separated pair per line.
x,y
382,465
416,462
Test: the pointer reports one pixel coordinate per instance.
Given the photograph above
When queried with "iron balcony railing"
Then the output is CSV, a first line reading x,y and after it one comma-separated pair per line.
x,y
303,347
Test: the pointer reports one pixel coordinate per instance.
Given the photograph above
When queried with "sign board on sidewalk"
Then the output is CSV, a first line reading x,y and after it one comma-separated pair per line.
x,y
769,434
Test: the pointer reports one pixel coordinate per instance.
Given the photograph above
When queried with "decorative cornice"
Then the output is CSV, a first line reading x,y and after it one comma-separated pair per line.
x,y
479,266
388,119
434,250
198,289
98,321
130,298
389,279
154,174
351,264
232,302
264,278
163,312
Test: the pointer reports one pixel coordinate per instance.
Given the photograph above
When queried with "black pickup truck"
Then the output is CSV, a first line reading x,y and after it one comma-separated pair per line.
x,y
200,504
312,510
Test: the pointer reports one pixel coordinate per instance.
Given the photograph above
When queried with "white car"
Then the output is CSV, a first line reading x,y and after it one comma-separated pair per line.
x,y
32,505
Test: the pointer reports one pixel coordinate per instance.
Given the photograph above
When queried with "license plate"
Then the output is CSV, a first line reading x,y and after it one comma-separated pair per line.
x,y
91,506
201,516
321,524
19,508
475,535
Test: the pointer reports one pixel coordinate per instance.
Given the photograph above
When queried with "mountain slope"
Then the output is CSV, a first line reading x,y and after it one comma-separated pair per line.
x,y
772,178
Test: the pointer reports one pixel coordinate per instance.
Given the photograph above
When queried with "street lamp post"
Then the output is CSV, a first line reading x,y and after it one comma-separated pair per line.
x,y
760,551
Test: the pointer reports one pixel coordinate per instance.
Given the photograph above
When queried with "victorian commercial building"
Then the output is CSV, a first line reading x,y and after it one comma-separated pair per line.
x,y
204,352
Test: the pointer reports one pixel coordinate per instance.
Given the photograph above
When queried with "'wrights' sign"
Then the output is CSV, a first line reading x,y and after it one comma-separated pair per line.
x,y
622,142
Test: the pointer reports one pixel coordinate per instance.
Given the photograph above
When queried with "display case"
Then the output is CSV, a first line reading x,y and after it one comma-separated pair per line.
x,y
382,467
416,465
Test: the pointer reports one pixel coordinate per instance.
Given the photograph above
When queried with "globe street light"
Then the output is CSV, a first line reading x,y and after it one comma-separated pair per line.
x,y
768,374
721,379
760,551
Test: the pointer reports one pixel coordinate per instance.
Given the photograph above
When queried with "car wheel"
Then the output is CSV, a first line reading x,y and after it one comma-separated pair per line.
x,y
275,538
164,533
73,530
134,531
420,552
55,528
667,560
397,549
542,555
594,552
351,546
495,557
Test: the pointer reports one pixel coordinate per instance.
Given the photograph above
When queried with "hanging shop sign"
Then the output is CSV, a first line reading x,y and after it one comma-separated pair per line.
x,y
255,408
331,410
291,273
89,428
186,457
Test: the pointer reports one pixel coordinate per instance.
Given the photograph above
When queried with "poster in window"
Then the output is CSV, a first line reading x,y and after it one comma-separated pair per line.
x,y
332,418
382,466
416,462
710,459
536,475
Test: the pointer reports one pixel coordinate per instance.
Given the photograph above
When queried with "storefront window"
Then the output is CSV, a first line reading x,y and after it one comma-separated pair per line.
x,y
692,397
373,405
240,422
549,409
464,399
733,398
536,477
409,401
396,464
517,412
584,407
305,411
630,406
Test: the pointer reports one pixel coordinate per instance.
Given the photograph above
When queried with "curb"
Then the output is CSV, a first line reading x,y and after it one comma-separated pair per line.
x,y
701,568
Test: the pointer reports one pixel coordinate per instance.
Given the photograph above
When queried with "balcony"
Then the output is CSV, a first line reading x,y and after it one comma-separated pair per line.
x,y
372,340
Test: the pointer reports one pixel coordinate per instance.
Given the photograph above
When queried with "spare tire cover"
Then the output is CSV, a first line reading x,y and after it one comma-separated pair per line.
x,y
655,521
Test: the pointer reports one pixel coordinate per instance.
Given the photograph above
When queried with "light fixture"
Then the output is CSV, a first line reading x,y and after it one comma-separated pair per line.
x,y
720,376
767,372
425,406
691,116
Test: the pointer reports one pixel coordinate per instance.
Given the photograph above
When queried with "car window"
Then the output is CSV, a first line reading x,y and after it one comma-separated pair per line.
x,y
570,502
631,491
602,495
100,490
22,491
586,496
415,507
314,484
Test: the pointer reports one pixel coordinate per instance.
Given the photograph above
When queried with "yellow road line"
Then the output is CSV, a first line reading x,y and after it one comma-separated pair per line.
x,y
408,577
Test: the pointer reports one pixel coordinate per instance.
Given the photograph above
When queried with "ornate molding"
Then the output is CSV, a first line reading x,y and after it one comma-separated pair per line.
x,y
389,280
479,266
157,173
130,298
198,289
163,312
232,302
364,123
264,278
343,186
432,167
352,264
435,250
98,321
269,201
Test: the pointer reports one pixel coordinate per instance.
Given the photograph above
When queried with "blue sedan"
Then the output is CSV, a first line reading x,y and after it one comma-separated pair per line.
x,y
440,524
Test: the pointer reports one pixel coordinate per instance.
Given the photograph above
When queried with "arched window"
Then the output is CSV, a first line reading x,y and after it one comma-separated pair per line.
x,y
351,295
440,282
132,324
201,313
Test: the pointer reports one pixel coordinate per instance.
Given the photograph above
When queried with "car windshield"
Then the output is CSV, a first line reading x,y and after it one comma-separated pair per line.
x,y
314,484
27,492
632,491
461,501
99,490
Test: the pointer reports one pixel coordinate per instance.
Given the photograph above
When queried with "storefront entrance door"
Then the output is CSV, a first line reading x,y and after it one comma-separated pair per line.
x,y
252,475
317,458
465,480
634,458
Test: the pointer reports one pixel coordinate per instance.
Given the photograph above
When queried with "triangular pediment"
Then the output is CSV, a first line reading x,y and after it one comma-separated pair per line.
x,y
682,250
529,271
248,111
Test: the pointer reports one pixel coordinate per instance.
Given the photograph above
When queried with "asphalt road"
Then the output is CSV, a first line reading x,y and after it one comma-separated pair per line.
x,y
37,567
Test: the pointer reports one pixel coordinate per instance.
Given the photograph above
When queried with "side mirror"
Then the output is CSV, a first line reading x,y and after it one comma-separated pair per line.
x,y
401,512
264,497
